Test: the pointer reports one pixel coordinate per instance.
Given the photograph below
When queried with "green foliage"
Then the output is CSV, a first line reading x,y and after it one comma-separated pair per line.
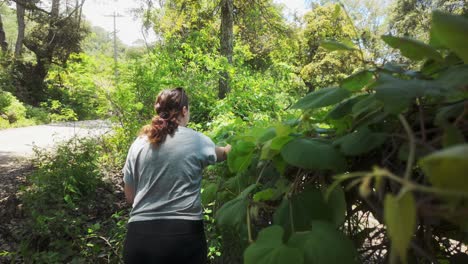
x,y
446,168
313,154
374,112
269,248
63,194
398,210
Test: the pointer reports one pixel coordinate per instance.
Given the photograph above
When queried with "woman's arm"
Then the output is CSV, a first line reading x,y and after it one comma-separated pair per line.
x,y
129,193
222,152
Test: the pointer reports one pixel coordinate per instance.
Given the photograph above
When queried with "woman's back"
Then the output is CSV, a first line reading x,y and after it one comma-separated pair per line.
x,y
167,178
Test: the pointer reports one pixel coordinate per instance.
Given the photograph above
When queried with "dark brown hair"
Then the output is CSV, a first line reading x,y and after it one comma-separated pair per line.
x,y
168,107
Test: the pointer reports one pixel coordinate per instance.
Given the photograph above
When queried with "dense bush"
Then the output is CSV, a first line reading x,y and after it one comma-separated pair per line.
x,y
71,216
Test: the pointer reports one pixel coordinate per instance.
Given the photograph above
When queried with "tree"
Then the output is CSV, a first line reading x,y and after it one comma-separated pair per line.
x,y
3,42
21,28
226,40
53,36
412,17
321,68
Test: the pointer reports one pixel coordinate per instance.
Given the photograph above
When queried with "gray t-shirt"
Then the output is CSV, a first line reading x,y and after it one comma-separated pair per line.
x,y
167,178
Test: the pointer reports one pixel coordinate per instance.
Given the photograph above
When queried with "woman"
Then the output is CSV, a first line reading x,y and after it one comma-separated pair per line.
x,y
162,177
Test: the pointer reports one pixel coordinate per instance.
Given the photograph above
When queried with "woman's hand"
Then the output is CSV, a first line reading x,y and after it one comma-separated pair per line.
x,y
222,152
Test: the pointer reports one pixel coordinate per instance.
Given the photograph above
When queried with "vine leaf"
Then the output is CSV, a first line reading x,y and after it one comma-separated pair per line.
x,y
233,213
344,108
310,153
452,136
412,49
241,155
447,168
321,98
332,45
209,193
450,31
325,245
396,94
400,218
360,141
357,81
367,104
270,249
336,202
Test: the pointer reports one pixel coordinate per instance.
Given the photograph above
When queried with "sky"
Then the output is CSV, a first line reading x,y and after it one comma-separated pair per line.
x,y
99,13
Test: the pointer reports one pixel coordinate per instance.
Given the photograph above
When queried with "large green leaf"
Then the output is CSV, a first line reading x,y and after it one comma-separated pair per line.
x,y
325,245
368,103
335,45
447,168
412,49
450,31
448,112
302,208
208,194
360,142
241,155
270,249
234,212
396,94
321,98
357,81
400,218
455,80
343,108
314,154
337,205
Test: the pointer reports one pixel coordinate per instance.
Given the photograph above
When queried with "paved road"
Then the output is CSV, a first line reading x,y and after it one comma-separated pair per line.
x,y
18,142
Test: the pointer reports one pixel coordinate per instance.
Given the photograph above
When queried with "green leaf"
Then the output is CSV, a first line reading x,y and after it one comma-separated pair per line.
x,y
268,134
306,206
331,45
412,49
240,156
314,154
360,142
447,168
455,80
367,103
234,212
400,218
452,136
270,249
337,204
321,98
264,195
278,142
450,31
325,245
448,112
396,94
343,108
357,81
209,193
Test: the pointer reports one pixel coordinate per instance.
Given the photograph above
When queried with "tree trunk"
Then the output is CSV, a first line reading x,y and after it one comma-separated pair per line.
x,y
21,27
227,18
3,43
55,8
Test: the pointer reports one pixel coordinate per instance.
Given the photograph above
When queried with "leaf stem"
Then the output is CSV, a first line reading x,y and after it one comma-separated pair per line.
x,y
412,145
291,218
249,228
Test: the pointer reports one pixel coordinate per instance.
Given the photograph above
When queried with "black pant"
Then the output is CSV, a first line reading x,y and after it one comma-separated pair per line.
x,y
167,241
